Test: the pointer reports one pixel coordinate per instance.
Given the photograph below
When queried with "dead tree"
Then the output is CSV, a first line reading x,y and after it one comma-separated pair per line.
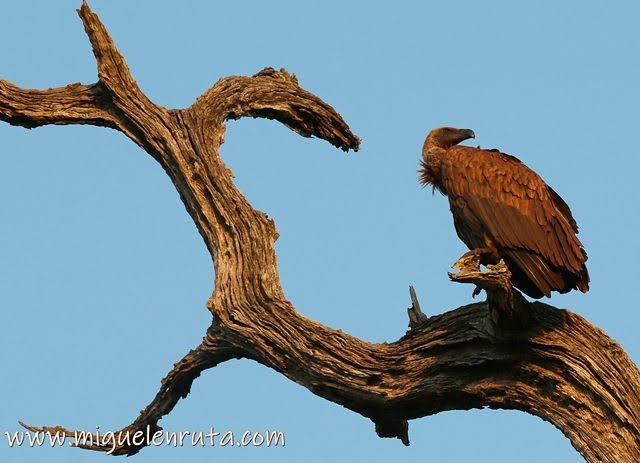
x,y
502,353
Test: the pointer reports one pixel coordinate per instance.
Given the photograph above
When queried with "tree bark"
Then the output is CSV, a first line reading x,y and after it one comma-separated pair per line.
x,y
502,353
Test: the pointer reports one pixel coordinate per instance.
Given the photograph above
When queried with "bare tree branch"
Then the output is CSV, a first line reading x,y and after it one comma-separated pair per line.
x,y
113,70
114,101
73,104
503,353
175,386
275,95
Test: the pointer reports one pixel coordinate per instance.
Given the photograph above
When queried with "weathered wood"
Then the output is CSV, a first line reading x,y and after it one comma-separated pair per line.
x,y
416,316
556,365
508,309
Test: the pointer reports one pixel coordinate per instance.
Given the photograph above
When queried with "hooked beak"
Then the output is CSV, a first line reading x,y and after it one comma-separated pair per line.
x,y
467,133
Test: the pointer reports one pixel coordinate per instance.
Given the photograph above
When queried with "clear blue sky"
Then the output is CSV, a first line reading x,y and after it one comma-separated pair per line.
x,y
103,276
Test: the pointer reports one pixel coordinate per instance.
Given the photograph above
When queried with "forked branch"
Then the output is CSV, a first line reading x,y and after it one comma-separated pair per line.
x,y
556,365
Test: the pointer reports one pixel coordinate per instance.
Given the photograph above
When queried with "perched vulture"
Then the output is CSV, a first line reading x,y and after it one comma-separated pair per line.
x,y
504,210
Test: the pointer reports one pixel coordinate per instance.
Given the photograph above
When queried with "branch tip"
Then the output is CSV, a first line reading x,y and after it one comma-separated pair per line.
x,y
416,316
393,428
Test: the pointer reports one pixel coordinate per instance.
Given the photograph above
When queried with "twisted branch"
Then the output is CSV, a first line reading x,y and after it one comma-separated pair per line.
x,y
552,363
175,386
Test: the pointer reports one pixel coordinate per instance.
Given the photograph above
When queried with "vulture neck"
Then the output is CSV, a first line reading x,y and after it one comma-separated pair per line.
x,y
430,174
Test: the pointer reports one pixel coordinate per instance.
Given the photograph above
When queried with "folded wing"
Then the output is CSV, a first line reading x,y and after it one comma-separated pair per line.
x,y
493,196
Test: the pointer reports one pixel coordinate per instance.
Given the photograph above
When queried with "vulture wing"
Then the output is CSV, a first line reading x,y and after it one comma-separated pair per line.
x,y
493,196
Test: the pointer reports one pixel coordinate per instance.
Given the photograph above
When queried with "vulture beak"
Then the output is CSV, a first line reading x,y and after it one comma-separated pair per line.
x,y
468,133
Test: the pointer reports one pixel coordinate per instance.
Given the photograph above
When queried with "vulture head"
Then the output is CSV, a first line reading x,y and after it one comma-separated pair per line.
x,y
446,137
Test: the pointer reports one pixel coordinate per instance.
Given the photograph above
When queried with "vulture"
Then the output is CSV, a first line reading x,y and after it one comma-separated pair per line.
x,y
504,210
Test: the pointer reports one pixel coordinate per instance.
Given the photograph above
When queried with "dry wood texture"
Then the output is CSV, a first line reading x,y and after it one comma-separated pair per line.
x,y
553,363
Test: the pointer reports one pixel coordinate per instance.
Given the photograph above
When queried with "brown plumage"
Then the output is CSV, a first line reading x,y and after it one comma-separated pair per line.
x,y
503,209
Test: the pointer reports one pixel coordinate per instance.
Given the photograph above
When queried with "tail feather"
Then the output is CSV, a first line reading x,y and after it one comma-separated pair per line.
x,y
537,277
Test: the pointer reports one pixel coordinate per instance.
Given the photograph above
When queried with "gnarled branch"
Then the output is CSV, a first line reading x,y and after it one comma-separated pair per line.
x,y
73,104
556,365
275,95
175,386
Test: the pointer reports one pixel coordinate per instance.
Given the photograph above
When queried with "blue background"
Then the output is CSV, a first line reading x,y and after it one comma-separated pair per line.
x,y
103,276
